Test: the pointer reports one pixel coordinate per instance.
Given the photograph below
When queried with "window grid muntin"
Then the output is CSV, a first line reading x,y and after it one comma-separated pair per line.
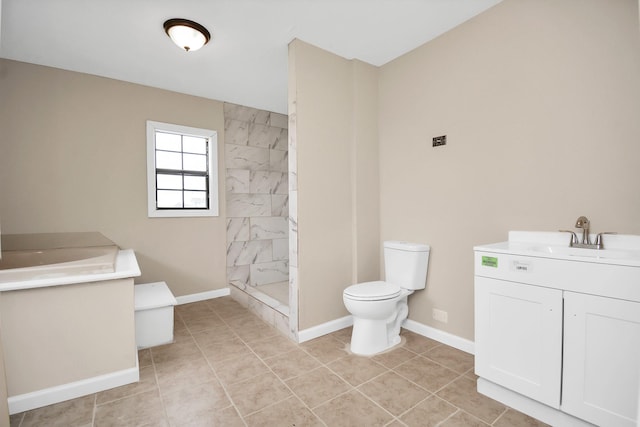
x,y
182,173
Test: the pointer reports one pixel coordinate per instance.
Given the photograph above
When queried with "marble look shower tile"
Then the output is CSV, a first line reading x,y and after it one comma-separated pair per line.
x,y
253,251
245,114
238,275
244,205
236,132
279,205
237,229
293,228
293,169
267,137
275,227
264,182
282,142
269,272
279,120
238,180
293,302
280,249
241,157
278,161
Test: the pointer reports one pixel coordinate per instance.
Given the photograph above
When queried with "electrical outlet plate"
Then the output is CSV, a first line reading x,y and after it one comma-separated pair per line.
x,y
439,140
440,315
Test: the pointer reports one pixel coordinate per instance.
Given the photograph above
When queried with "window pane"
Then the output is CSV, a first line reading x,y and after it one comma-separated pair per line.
x,y
195,162
194,144
167,182
168,160
169,199
168,141
195,182
195,199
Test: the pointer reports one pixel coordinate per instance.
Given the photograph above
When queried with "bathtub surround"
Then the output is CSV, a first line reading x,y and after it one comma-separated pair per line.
x,y
257,189
73,158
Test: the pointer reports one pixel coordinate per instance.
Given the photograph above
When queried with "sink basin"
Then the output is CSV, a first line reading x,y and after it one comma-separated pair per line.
x,y
618,249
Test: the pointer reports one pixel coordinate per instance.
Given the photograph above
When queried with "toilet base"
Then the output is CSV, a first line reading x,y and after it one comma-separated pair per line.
x,y
370,337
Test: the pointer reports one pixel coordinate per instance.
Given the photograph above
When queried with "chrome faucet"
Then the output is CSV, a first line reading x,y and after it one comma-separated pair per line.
x,y
583,222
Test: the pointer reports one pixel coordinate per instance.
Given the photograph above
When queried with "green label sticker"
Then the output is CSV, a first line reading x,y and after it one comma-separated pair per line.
x,y
490,261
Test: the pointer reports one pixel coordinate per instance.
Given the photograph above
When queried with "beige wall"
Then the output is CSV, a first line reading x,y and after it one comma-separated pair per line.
x,y
335,185
73,158
58,335
540,103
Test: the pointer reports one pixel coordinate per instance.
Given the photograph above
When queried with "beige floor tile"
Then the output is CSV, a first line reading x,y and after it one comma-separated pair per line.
x,y
463,394
395,357
239,369
181,335
513,418
352,409
463,419
191,373
343,335
203,323
16,419
147,383
292,364
289,412
191,404
356,369
272,346
257,393
417,343
393,393
226,307
426,373
214,337
227,350
76,412
317,386
256,332
144,358
176,352
193,309
452,358
326,349
140,409
428,413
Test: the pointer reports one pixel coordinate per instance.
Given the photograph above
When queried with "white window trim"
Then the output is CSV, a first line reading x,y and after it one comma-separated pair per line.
x,y
212,135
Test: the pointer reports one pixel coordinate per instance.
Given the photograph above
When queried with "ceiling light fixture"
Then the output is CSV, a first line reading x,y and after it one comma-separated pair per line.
x,y
188,35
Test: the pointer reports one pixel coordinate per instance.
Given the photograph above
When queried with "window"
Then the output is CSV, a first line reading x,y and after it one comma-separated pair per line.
x,y
182,170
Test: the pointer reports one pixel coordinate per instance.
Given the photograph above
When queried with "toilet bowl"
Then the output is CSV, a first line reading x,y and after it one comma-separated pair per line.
x,y
379,308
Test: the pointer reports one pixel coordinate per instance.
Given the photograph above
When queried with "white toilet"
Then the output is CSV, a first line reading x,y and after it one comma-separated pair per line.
x,y
379,308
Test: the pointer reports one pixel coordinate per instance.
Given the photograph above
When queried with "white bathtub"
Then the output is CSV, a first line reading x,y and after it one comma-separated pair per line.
x,y
52,255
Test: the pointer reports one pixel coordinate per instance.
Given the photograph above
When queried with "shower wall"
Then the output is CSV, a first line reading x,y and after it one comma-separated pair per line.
x,y
257,196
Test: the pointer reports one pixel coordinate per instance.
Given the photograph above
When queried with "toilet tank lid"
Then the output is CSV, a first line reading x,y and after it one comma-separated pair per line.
x,y
406,246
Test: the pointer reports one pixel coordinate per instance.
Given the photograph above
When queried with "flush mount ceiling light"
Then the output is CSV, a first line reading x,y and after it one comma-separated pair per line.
x,y
188,35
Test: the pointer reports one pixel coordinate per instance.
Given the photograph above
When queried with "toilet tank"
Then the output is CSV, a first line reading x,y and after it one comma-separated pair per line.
x,y
406,264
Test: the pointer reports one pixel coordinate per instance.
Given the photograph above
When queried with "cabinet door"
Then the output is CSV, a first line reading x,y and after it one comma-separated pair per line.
x,y
601,359
518,337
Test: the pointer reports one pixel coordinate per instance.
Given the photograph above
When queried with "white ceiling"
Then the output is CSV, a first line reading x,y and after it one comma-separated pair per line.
x,y
246,61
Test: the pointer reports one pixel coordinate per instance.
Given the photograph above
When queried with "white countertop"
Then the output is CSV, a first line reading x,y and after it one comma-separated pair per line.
x,y
126,267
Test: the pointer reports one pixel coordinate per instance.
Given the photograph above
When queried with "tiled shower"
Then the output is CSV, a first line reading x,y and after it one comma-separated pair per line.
x,y
257,200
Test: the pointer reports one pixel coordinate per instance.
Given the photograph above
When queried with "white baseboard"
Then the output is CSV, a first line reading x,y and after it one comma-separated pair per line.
x,y
51,395
324,328
440,336
186,299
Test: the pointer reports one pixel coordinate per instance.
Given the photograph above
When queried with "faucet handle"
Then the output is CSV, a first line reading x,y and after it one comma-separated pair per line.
x,y
599,239
574,238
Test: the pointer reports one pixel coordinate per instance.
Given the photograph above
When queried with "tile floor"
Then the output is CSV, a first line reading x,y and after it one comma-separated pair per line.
x,y
228,368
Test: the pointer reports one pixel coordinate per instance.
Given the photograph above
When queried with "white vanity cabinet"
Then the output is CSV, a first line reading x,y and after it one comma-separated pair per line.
x,y
601,359
519,338
558,337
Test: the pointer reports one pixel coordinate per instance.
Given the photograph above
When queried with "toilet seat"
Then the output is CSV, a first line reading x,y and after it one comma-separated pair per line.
x,y
372,291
